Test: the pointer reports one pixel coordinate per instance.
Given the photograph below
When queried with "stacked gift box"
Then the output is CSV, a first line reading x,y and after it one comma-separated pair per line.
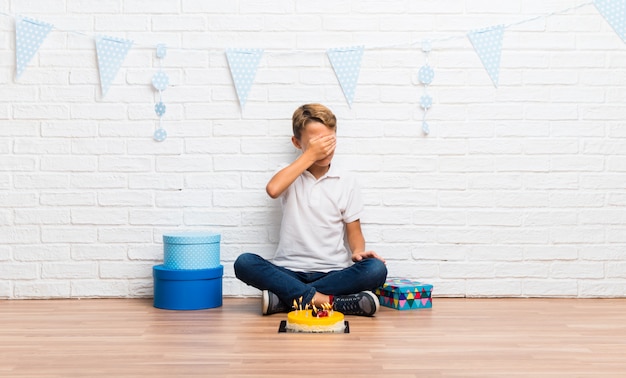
x,y
190,277
405,294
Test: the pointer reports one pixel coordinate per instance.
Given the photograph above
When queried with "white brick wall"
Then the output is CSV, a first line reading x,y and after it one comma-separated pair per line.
x,y
518,191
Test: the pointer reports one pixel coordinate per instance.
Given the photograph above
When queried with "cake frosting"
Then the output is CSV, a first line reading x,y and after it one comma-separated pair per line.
x,y
305,321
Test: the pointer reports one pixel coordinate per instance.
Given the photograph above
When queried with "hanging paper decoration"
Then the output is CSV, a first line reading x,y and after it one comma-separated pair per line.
x,y
161,51
614,12
243,64
111,54
488,45
346,62
29,35
426,75
160,81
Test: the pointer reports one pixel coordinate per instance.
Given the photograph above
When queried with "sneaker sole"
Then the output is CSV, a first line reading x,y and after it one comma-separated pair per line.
x,y
375,300
266,302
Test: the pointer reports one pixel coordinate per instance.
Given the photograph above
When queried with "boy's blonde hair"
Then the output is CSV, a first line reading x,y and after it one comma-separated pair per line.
x,y
312,113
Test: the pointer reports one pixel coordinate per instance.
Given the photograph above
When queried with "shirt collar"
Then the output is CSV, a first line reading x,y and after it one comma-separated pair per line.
x,y
333,172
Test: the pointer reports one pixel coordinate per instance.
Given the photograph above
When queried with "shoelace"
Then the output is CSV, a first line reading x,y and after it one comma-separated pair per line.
x,y
351,305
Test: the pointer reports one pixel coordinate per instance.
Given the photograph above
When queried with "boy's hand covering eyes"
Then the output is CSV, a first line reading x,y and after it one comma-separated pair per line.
x,y
321,147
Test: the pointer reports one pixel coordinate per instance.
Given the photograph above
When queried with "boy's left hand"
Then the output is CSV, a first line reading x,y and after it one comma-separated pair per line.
x,y
358,256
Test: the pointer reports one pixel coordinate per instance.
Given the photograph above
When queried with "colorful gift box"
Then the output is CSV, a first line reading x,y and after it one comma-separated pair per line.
x,y
405,294
191,250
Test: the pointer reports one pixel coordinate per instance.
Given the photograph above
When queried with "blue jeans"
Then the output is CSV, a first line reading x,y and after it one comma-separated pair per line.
x,y
254,270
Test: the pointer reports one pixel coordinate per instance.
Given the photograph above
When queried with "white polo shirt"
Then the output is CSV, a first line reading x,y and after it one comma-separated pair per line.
x,y
312,232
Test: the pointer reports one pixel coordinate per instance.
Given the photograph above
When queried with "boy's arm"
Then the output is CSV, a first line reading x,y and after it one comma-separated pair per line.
x,y
286,176
356,241
318,149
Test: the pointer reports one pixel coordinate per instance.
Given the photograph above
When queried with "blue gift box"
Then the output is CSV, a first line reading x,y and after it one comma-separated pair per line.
x,y
196,289
191,250
405,294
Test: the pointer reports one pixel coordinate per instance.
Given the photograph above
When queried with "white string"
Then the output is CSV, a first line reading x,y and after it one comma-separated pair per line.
x,y
287,51
548,15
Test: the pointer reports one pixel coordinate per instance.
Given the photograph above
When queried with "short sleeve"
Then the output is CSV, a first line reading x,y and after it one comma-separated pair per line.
x,y
354,201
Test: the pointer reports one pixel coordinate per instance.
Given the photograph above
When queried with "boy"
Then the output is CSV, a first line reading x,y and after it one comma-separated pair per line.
x,y
322,207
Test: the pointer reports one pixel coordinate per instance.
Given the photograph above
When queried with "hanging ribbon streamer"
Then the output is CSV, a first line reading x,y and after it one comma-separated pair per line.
x,y
29,35
346,62
160,81
426,75
111,54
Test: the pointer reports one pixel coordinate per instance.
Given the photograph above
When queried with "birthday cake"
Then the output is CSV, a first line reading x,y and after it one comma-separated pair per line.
x,y
315,321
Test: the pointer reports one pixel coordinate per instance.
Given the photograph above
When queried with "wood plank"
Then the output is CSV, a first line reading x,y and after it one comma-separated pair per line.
x,y
456,338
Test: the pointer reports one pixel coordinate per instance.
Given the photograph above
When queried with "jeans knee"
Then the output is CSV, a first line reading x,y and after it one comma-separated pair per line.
x,y
378,270
243,261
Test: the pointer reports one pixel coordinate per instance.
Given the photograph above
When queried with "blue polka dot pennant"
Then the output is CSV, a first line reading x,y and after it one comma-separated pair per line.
x,y
488,45
29,35
243,65
111,54
614,12
346,62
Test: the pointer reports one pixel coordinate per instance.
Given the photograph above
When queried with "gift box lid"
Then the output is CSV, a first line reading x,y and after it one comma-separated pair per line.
x,y
191,238
163,273
403,284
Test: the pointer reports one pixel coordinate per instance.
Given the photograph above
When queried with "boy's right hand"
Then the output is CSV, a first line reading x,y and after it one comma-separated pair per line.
x,y
321,147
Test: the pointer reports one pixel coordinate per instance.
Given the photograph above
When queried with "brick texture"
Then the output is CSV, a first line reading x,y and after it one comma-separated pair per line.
x,y
518,191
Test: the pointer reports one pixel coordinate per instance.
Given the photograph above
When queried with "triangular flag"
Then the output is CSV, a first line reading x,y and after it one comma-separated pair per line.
x,y
243,64
111,53
614,12
488,45
29,35
346,62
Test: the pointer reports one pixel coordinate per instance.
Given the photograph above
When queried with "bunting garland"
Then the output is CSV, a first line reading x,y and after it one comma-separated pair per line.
x,y
243,64
29,35
111,54
488,45
614,12
346,62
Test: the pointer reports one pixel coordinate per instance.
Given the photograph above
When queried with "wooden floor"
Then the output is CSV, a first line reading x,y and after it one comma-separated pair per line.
x,y
457,338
